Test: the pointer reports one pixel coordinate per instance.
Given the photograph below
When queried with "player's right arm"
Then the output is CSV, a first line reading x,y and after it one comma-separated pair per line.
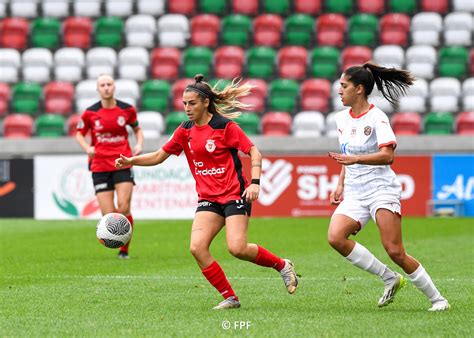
x,y
90,150
145,160
336,196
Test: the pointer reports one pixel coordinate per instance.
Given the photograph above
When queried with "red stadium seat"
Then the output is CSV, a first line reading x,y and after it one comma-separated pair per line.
x,y
267,30
439,6
371,7
330,30
465,123
394,29
165,63
406,123
18,126
355,56
257,95
186,7
205,30
5,94
14,33
276,124
228,62
77,32
307,7
471,61
58,97
315,94
292,62
177,92
246,7
72,122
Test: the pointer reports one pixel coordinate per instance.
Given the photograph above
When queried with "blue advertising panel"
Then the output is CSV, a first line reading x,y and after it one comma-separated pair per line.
x,y
453,179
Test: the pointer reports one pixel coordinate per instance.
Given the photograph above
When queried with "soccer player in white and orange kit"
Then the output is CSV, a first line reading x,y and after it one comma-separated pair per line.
x,y
368,187
211,142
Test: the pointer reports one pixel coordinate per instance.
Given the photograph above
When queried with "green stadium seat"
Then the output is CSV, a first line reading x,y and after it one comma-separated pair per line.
x,y
218,7
363,29
197,60
173,120
155,95
402,6
325,62
340,6
236,30
249,122
45,33
26,97
50,125
108,32
453,62
438,124
280,7
260,62
283,94
299,29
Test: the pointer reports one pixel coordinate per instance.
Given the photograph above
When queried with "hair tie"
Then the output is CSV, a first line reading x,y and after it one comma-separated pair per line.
x,y
199,91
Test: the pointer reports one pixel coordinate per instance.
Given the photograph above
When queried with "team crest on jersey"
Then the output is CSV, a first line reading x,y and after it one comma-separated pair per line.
x,y
121,121
353,131
367,131
210,146
97,125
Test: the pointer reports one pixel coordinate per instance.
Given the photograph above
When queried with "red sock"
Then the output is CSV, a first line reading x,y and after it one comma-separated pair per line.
x,y
216,276
125,247
268,259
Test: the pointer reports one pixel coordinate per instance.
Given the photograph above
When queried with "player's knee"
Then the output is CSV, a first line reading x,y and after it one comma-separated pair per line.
x,y
396,253
336,240
196,250
123,208
237,250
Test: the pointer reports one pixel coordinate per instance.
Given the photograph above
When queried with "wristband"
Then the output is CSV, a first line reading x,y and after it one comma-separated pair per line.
x,y
256,181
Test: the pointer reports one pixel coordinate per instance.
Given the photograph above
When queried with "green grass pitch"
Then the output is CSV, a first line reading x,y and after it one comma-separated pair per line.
x,y
57,280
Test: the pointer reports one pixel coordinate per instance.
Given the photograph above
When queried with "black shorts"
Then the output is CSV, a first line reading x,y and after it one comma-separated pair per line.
x,y
237,207
106,181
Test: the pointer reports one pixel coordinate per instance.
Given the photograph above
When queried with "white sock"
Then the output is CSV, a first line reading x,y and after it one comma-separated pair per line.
x,y
423,282
364,259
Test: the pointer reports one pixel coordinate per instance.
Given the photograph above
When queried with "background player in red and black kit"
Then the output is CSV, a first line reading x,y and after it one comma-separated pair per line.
x,y
211,142
107,121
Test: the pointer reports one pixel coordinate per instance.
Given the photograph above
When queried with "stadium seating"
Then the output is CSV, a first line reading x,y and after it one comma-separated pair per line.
x,y
257,96
197,60
155,7
463,5
5,94
68,64
315,95
444,94
50,125
394,29
26,98
267,30
362,29
152,124
324,62
438,123
14,33
87,8
24,8
86,94
402,6
186,7
249,122
71,124
177,93
155,95
308,124
415,100
280,7
10,62
468,94
133,63
120,8
247,7
165,63
173,30
282,95
421,61
299,30
425,28
173,120
45,33
471,61
205,30
228,62
331,128
389,56
340,6
58,97
371,7
108,32
458,29
235,30
355,56
218,7
465,123
140,31
406,123
100,60
55,8
127,91
308,7
260,62
292,62
452,62
36,64
330,30
276,124
77,32
439,6
18,126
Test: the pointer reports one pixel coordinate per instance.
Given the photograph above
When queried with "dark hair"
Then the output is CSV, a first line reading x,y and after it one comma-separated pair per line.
x,y
391,82
223,102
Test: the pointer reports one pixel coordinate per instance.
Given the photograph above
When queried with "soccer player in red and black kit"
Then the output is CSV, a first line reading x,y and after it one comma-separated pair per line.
x,y
211,142
107,121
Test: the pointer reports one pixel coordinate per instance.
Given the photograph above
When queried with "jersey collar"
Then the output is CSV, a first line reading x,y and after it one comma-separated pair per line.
x,y
358,117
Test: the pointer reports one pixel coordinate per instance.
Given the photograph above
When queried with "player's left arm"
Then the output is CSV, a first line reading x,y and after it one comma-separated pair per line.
x,y
253,190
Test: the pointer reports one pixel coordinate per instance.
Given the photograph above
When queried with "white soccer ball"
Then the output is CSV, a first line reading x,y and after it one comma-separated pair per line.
x,y
114,230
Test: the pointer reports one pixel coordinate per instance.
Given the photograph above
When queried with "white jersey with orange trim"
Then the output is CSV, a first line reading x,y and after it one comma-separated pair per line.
x,y
366,134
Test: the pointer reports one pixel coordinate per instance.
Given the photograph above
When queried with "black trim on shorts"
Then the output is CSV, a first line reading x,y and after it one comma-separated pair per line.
x,y
231,208
106,180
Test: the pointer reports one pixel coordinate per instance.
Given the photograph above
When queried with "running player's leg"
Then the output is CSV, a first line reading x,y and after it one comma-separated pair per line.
x,y
106,201
124,198
104,191
206,226
390,228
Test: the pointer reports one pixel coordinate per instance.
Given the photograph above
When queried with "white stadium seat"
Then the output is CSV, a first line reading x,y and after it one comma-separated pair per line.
x,y
10,62
100,60
155,7
463,5
68,64
3,8
24,8
55,8
308,124
421,61
127,91
173,30
133,63
140,31
444,94
122,8
458,29
415,100
86,95
151,123
425,28
377,99
389,56
331,127
36,65
88,8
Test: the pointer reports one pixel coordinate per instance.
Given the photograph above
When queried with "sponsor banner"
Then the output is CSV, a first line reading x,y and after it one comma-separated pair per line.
x,y
64,189
297,186
453,179
16,188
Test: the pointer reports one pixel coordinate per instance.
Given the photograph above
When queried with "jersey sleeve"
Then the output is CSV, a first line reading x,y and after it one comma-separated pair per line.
x,y
84,123
132,118
234,137
385,135
174,144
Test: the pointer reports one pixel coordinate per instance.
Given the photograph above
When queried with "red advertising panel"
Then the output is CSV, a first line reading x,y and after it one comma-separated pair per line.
x,y
298,186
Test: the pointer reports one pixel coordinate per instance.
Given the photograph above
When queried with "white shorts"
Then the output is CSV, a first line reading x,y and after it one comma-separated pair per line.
x,y
362,210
